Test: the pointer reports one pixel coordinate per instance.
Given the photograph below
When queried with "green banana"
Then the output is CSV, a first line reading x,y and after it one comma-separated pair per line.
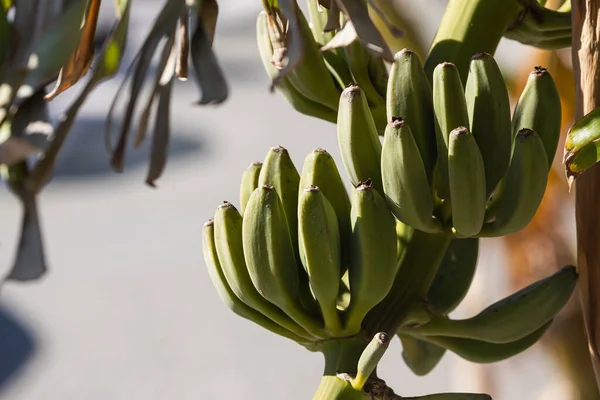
x,y
249,183
514,317
227,228
539,109
454,276
310,76
450,110
405,184
358,58
297,100
581,145
481,352
270,258
488,106
451,396
321,252
320,170
409,97
524,186
358,139
373,265
369,359
467,183
420,356
217,277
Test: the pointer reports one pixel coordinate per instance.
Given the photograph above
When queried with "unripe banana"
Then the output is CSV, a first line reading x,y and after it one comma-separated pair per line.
x,y
373,264
539,109
467,183
405,180
582,145
358,139
369,359
227,229
310,76
454,276
321,252
524,186
298,101
409,97
481,352
450,110
249,183
420,356
514,317
270,257
217,277
488,106
320,170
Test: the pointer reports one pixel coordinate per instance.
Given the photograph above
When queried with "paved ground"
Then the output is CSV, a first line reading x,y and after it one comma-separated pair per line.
x,y
127,310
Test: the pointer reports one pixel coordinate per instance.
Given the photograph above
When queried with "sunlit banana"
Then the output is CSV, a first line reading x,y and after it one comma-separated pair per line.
x,y
226,294
582,147
467,183
488,106
298,101
369,359
270,257
320,170
358,139
321,252
373,264
514,317
409,97
524,186
420,356
454,276
227,227
404,178
450,110
249,183
539,109
481,352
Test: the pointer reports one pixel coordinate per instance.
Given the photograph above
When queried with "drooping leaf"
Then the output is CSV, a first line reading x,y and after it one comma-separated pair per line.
x,y
183,48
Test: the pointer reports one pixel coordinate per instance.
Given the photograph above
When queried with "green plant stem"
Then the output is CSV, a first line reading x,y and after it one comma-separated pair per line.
x,y
469,27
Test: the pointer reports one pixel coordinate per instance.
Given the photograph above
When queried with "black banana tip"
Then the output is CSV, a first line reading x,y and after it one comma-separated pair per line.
x,y
351,90
210,222
312,188
480,56
397,122
539,71
460,131
525,134
403,53
365,185
268,188
382,338
225,204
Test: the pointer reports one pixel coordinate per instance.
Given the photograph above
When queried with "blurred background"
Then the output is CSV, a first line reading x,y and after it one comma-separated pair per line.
x,y
127,310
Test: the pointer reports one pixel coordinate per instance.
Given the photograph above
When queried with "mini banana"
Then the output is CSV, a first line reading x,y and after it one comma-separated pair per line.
x,y
358,139
582,145
404,178
227,231
217,277
320,170
358,60
369,359
321,252
420,356
467,183
539,109
481,352
450,110
488,106
514,317
249,183
298,101
454,276
270,257
524,186
409,97
373,265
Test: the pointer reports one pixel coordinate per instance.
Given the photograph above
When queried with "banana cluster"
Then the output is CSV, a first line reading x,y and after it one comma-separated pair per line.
x,y
302,258
313,86
452,159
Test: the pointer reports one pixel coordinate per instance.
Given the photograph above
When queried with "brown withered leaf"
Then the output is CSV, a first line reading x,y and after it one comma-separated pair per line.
x,y
79,63
183,45
333,19
343,38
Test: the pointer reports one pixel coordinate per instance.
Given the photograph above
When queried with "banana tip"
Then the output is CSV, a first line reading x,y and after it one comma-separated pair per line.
x,y
210,222
365,185
480,55
539,71
382,338
397,122
225,204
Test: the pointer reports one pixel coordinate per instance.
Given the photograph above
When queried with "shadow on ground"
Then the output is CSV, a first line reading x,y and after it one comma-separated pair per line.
x,y
17,345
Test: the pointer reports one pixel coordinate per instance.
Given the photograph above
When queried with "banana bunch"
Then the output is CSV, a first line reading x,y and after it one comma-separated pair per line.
x,y
330,58
298,257
453,160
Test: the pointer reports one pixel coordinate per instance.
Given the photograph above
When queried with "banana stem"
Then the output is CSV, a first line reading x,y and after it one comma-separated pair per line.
x,y
469,27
